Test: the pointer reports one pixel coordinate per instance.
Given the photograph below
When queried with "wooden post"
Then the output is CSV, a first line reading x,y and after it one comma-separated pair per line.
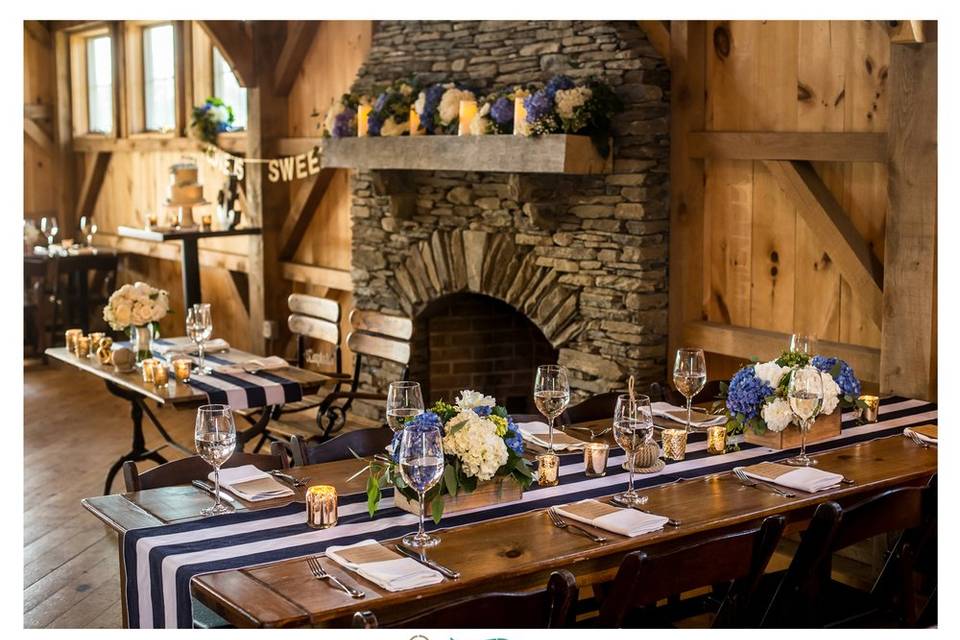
x,y
908,341
63,135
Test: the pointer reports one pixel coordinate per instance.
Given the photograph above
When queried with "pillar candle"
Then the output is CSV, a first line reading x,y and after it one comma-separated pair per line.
x,y
468,111
363,112
519,116
321,506
414,122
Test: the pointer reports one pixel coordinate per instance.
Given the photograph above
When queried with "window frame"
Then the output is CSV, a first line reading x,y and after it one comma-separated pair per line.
x,y
173,103
79,82
213,83
135,79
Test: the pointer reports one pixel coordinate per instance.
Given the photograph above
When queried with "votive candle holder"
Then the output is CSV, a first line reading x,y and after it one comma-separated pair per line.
x,y
70,337
321,506
871,409
207,221
716,439
83,346
468,111
161,375
595,456
147,368
95,339
674,443
181,369
548,469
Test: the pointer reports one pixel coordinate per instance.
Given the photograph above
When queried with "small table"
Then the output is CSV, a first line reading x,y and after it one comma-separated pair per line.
x,y
130,387
189,254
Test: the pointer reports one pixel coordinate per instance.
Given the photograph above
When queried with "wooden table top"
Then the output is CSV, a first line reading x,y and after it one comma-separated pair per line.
x,y
513,553
176,394
162,235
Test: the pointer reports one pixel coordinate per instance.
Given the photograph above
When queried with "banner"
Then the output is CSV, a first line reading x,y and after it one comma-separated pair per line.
x,y
286,169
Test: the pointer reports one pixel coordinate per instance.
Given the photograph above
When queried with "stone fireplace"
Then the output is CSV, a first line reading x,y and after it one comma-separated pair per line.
x,y
581,280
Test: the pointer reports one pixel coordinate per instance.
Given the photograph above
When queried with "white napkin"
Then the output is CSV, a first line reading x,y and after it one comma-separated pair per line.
x,y
807,479
185,346
679,414
923,437
392,575
251,484
626,522
249,366
538,433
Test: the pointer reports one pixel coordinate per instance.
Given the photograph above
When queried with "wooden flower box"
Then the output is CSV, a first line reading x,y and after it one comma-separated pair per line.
x,y
499,491
823,428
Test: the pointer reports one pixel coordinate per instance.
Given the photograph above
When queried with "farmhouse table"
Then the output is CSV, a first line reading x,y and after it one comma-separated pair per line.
x,y
132,388
518,551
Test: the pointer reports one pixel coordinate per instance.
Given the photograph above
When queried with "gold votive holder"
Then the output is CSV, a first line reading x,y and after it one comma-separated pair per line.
x,y
716,439
147,368
207,221
95,339
674,443
548,469
151,220
870,411
161,375
595,459
468,111
181,369
83,346
70,337
321,506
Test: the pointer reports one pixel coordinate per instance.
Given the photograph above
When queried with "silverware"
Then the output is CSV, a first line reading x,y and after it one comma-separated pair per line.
x,y
918,440
421,557
289,479
670,521
560,523
593,434
207,487
750,482
318,572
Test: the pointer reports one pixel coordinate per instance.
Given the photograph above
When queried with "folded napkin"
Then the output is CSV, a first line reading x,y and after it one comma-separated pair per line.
x,y
926,432
538,433
185,346
626,522
679,415
255,364
382,566
809,479
251,484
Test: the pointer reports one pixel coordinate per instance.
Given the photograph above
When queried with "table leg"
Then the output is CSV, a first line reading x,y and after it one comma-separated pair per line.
x,y
190,268
259,428
138,449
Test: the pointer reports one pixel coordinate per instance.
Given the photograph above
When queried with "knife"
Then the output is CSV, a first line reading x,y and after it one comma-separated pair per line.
x,y
204,486
422,559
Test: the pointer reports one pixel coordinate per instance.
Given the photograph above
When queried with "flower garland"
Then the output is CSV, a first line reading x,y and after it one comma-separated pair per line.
x,y
390,114
438,107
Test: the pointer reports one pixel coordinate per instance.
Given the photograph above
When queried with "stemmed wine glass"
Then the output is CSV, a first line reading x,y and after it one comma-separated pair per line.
x,y
805,395
803,343
50,228
199,329
421,467
551,393
632,428
689,376
216,438
84,226
404,401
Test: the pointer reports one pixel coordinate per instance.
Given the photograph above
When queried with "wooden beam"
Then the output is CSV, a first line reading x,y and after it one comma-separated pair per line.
x,y
38,31
908,360
144,142
90,190
37,111
302,209
184,64
318,276
63,134
295,146
300,35
33,131
789,145
688,113
659,37
747,343
121,113
236,45
211,258
840,238
911,31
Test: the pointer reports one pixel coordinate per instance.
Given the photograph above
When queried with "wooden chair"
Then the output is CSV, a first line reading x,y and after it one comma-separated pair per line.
x,y
549,608
193,468
598,407
363,442
805,595
644,578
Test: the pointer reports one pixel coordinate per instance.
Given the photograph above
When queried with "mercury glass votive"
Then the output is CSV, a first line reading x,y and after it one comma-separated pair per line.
x,y
161,375
321,506
871,411
548,469
95,338
468,111
148,365
674,443
83,346
70,336
595,459
181,369
716,439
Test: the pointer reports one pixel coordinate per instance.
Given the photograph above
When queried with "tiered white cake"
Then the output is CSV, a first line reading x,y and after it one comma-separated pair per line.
x,y
185,190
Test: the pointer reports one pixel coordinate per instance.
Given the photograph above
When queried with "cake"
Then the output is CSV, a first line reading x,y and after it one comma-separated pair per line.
x,y
185,190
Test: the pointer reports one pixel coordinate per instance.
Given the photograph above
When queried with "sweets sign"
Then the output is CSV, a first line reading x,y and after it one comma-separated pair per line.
x,y
286,169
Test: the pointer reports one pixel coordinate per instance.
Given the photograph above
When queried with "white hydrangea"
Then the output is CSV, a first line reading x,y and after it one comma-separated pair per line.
x,y
476,443
770,372
831,393
469,399
567,100
777,414
449,109
393,128
420,102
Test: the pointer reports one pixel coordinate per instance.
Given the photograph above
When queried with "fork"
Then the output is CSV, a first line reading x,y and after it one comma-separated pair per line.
x,y
318,572
918,440
560,523
750,482
293,480
593,434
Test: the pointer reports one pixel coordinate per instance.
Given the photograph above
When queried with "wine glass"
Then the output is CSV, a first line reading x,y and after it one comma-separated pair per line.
x,y
632,428
91,233
404,401
50,228
551,393
805,395
421,467
84,226
689,376
199,329
215,435
803,343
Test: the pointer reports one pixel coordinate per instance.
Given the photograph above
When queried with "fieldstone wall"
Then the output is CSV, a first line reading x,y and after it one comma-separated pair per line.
x,y
597,256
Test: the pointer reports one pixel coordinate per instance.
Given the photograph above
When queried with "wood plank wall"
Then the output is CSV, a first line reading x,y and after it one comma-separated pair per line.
x,y
39,188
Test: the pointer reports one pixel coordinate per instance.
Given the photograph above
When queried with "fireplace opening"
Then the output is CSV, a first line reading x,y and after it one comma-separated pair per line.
x,y
473,341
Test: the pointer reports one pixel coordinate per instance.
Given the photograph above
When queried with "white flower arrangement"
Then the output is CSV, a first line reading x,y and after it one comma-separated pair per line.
x,y
477,443
567,100
480,125
136,305
449,109
469,399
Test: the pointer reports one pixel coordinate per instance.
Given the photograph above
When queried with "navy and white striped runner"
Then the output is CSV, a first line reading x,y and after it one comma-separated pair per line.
x,y
160,561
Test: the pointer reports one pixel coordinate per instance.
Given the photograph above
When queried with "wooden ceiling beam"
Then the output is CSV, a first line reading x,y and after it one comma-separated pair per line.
x,y
300,35
33,131
38,31
302,210
92,183
789,145
659,36
236,45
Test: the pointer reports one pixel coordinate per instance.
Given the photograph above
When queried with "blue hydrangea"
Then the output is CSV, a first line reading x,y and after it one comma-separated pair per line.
x,y
846,380
430,104
381,102
483,412
373,125
558,83
538,105
344,124
501,111
746,393
513,439
424,422
395,447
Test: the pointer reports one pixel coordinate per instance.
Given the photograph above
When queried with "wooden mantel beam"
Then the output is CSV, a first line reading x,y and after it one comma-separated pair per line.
x,y
302,208
831,224
236,45
659,36
300,35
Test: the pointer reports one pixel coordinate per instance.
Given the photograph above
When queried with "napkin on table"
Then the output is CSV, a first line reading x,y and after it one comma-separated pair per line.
x,y
252,484
538,433
382,566
926,432
807,479
626,522
185,346
248,366
679,415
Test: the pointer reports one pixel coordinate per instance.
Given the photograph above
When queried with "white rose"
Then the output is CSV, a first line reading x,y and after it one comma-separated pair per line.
x,y
831,393
121,314
567,100
140,314
770,372
777,414
420,103
392,128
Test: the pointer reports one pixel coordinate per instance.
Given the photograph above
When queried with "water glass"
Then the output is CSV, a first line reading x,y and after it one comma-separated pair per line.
x,y
551,393
421,467
689,376
199,329
805,396
404,401
632,428
215,435
803,343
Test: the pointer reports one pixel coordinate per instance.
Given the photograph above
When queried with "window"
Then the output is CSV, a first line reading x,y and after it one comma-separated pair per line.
x,y
159,83
99,85
226,87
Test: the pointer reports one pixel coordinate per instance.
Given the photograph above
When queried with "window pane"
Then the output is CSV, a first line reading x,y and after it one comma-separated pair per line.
x,y
226,87
99,85
159,96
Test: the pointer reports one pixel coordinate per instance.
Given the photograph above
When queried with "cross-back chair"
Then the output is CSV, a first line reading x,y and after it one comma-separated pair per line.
x,y
187,470
363,442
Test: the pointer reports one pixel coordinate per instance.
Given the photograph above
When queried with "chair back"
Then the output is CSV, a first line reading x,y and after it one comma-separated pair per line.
x,y
739,557
549,608
381,336
598,407
363,442
189,469
663,392
315,318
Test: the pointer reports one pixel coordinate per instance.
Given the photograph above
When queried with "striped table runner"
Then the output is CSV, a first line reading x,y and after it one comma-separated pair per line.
x,y
160,561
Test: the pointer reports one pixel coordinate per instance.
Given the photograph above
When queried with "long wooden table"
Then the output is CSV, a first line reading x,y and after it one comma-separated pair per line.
x,y
517,552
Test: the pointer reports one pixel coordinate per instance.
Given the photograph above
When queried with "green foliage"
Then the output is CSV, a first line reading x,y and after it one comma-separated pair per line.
x,y
793,359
